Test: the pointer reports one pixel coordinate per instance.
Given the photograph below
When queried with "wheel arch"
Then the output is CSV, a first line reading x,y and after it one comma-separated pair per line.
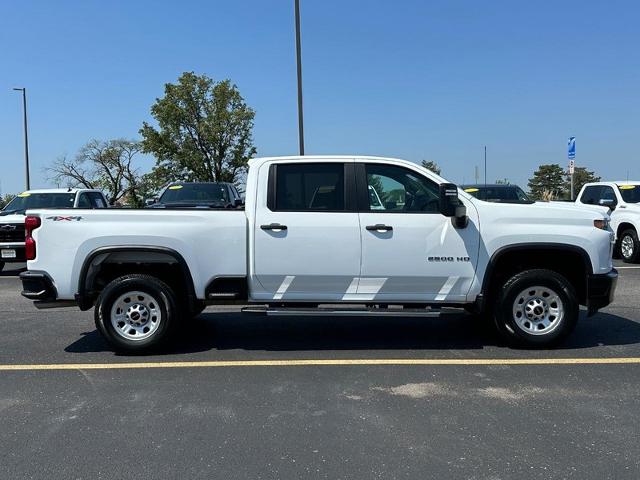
x,y
130,259
513,258
625,225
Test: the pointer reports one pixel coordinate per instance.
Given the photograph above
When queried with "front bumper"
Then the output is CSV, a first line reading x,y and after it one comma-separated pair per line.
x,y
600,290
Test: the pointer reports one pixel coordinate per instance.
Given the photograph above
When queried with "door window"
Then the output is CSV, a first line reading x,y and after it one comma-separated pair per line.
x,y
591,195
607,193
84,201
97,200
395,189
310,187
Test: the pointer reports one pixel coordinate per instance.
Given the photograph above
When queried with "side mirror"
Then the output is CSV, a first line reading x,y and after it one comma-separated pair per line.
x,y
239,202
150,201
449,200
451,206
607,202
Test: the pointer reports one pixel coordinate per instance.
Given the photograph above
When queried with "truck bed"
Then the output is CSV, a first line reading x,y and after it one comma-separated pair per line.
x,y
212,242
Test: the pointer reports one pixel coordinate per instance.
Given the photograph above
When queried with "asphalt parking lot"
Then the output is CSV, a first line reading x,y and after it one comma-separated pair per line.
x,y
446,401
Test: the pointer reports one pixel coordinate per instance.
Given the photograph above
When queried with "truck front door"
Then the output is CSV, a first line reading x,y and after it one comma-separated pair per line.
x,y
306,244
411,252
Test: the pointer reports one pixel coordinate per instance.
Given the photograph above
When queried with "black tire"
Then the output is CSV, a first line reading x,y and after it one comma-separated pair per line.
x,y
163,300
511,319
631,236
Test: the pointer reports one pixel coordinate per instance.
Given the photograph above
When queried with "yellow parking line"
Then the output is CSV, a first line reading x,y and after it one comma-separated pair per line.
x,y
325,362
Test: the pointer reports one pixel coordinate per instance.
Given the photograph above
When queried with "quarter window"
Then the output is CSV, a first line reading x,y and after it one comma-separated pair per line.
x,y
310,187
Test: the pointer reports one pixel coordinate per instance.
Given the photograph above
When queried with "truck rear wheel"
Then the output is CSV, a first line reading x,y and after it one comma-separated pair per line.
x,y
536,308
629,246
136,313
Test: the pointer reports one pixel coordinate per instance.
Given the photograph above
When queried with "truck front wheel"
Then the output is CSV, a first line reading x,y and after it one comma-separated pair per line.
x,y
536,308
629,246
136,313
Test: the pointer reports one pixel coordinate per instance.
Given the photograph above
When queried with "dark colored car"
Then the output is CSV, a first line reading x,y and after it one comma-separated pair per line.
x,y
500,193
198,195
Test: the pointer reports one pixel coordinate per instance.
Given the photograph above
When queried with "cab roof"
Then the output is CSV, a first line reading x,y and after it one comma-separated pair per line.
x,y
62,190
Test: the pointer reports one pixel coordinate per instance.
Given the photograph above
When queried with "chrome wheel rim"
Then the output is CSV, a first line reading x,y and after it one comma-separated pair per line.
x,y
135,315
626,246
538,310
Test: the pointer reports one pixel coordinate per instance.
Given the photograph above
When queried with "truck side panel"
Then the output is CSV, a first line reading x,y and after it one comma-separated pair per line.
x,y
213,243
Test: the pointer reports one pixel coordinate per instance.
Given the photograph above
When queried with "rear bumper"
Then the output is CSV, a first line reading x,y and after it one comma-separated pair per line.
x,y
38,286
600,290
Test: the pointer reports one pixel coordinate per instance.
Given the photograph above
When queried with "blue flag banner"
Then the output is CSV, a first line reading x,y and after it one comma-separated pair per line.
x,y
571,149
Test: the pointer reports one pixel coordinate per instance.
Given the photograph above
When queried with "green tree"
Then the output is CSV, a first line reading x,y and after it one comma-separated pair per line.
x,y
6,198
204,134
580,176
547,181
431,165
106,165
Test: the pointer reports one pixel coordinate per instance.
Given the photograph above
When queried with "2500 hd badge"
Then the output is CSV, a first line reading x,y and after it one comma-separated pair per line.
x,y
448,259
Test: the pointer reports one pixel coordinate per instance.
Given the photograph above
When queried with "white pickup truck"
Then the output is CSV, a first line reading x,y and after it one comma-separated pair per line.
x,y
623,199
314,239
12,241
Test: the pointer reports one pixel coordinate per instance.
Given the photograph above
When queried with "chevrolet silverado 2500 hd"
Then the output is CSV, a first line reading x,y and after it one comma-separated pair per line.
x,y
385,236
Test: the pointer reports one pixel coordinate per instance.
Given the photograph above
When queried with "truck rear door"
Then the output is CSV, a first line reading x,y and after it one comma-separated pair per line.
x,y
307,232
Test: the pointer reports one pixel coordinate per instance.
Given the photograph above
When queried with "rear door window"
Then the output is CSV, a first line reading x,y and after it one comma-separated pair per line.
x,y
310,187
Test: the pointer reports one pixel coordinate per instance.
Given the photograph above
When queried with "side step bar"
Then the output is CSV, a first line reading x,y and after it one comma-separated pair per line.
x,y
352,312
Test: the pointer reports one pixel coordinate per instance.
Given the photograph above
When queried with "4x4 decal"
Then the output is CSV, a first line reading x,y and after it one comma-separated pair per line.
x,y
59,218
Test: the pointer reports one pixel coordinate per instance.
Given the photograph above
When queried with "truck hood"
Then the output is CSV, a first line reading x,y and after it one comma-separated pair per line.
x,y
550,213
582,206
630,207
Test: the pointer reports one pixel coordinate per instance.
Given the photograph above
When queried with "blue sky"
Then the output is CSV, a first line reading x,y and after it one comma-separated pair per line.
x,y
409,79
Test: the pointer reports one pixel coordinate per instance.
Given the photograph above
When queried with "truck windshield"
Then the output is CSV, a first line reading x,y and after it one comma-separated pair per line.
x,y
498,193
630,193
200,193
26,201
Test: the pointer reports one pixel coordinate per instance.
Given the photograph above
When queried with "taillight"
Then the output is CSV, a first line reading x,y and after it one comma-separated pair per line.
x,y
30,224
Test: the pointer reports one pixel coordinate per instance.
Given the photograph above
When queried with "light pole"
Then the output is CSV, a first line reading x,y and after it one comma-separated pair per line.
x,y
26,136
299,68
485,165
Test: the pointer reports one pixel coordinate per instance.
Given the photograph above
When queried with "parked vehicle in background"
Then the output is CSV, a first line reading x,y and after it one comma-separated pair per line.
x,y
198,195
623,199
12,216
313,234
500,193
